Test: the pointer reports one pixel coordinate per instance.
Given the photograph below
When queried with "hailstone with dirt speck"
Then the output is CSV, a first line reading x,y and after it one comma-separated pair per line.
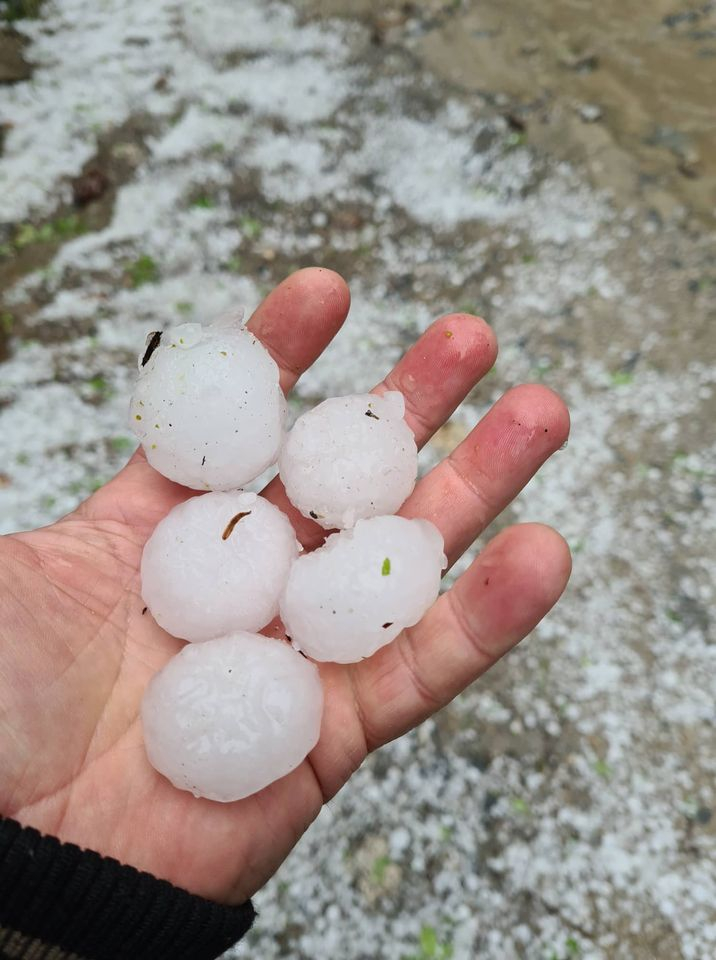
x,y
225,718
362,587
207,406
217,563
349,458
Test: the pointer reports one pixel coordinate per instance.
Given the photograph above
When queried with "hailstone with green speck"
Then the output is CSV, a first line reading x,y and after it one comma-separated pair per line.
x,y
358,591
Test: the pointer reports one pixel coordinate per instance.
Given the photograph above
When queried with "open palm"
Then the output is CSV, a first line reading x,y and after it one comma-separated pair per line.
x,y
76,649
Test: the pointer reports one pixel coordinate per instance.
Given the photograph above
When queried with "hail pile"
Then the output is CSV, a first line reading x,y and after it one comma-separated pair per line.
x,y
235,710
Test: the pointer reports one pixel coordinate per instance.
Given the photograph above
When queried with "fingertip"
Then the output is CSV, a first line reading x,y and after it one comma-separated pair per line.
x,y
540,409
323,285
440,370
299,318
476,331
537,557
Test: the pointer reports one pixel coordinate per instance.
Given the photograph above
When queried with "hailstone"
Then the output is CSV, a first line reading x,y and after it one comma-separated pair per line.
x,y
207,406
217,563
357,592
350,457
225,718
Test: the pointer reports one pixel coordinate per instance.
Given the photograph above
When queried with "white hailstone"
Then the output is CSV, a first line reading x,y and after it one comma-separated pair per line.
x,y
350,457
225,718
357,592
207,406
217,563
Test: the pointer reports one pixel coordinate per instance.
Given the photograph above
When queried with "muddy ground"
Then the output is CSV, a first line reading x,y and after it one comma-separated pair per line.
x,y
550,166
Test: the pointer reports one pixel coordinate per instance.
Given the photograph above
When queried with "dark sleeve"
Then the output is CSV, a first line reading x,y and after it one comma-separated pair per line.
x,y
60,902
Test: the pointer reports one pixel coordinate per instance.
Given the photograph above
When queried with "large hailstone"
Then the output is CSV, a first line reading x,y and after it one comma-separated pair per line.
x,y
217,563
350,457
357,592
224,719
207,406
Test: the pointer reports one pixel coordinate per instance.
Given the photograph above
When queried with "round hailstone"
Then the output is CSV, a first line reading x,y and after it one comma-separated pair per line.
x,y
217,563
357,592
350,457
207,406
224,719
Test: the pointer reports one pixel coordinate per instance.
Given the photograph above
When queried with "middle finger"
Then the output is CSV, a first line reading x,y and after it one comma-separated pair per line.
x,y
474,484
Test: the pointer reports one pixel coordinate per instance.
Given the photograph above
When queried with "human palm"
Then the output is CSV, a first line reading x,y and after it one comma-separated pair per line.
x,y
77,647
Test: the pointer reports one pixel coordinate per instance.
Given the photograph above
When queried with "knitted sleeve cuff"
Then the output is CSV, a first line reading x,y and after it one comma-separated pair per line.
x,y
59,901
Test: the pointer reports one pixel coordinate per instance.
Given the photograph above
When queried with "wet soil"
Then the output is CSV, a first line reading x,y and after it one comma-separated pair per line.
x,y
623,88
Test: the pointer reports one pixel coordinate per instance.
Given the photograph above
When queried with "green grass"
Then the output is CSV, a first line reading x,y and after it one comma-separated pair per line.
x,y
603,770
621,378
430,947
251,227
570,950
19,9
98,384
515,140
142,270
63,228
380,865
121,444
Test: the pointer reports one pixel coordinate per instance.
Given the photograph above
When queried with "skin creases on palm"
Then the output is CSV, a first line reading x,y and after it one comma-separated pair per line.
x,y
76,651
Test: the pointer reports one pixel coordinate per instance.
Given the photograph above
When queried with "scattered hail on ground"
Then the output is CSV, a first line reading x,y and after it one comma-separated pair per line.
x,y
164,164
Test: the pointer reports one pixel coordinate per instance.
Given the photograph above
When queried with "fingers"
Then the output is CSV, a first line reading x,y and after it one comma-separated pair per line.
x,y
439,371
467,490
299,318
434,376
500,598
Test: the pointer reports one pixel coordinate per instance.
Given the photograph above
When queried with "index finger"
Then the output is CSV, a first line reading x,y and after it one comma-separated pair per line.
x,y
299,318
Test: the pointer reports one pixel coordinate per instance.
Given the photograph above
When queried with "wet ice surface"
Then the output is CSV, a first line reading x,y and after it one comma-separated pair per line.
x,y
226,718
347,599
207,406
217,563
350,457
567,798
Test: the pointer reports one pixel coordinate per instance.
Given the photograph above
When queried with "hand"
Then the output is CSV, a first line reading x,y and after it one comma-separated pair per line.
x,y
76,651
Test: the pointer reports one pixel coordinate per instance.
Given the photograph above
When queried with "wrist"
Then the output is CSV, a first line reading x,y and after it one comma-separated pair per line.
x,y
96,908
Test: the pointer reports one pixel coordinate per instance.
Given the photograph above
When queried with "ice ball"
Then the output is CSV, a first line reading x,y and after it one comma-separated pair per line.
x,y
207,406
350,457
225,718
357,592
217,563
